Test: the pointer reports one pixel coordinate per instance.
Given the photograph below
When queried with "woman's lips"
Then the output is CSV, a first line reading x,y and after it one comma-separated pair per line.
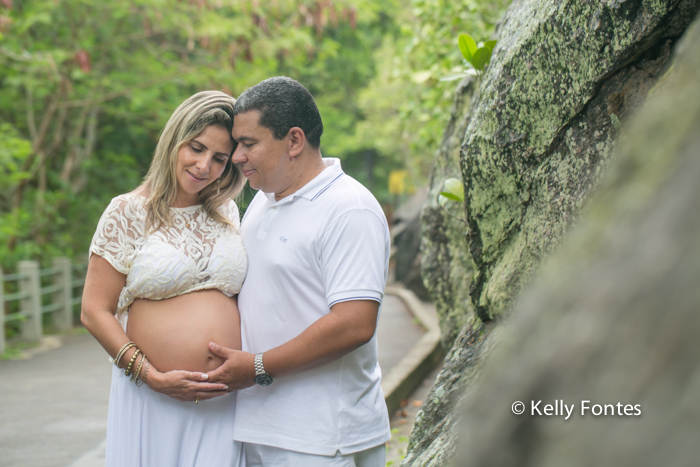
x,y
195,179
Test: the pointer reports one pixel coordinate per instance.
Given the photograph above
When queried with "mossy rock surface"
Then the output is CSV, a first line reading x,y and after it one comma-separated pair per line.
x,y
564,74
539,136
612,318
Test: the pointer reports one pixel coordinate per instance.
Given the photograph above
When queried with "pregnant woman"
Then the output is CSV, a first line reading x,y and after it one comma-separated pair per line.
x,y
166,261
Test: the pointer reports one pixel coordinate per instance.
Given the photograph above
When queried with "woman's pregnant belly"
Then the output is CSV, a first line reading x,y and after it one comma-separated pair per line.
x,y
175,333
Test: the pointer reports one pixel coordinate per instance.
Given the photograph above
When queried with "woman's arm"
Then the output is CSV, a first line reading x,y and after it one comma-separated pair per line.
x,y
103,284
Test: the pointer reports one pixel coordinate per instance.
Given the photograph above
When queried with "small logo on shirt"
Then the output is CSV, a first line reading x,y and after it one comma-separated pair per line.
x,y
283,239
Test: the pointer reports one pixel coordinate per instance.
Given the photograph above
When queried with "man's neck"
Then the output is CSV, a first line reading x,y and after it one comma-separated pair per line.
x,y
312,167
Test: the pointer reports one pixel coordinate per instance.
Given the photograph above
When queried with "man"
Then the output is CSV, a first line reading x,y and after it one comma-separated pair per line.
x,y
318,253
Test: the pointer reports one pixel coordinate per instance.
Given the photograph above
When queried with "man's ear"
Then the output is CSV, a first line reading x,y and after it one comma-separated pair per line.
x,y
297,140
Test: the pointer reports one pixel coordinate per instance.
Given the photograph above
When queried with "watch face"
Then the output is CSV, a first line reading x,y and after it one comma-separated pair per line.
x,y
263,380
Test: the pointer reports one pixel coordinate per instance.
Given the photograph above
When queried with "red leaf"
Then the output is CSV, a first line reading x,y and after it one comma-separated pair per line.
x,y
83,59
7,3
5,21
353,18
333,16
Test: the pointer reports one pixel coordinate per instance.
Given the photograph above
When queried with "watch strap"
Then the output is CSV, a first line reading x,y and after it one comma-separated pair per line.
x,y
262,377
259,367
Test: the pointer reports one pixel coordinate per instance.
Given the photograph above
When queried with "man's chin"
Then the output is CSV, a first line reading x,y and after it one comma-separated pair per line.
x,y
254,185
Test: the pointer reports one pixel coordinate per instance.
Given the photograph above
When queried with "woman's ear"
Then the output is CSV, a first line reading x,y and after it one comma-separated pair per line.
x,y
297,141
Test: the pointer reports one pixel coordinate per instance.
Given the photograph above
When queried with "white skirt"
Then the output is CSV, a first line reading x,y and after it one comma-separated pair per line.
x,y
149,429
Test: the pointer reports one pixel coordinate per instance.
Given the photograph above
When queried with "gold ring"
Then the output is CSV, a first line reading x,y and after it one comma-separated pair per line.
x,y
196,400
191,374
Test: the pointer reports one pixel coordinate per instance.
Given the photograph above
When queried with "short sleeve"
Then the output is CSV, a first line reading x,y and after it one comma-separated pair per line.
x,y
355,257
233,214
116,233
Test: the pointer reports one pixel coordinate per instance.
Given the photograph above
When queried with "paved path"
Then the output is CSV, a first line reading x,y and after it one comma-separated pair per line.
x,y
53,406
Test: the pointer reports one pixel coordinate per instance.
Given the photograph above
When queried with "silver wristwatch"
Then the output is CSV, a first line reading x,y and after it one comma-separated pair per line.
x,y
261,377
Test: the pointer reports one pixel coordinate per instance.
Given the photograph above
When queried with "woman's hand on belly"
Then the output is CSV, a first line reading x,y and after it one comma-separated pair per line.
x,y
184,386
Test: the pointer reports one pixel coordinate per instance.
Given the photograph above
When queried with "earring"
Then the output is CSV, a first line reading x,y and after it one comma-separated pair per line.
x,y
218,186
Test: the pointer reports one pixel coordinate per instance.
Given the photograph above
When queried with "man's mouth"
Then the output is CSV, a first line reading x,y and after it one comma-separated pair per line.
x,y
246,173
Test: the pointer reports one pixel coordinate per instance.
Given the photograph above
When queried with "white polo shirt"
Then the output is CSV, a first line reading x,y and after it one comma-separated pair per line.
x,y
324,244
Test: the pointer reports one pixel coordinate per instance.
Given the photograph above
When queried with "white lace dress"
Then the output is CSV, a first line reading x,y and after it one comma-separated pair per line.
x,y
145,428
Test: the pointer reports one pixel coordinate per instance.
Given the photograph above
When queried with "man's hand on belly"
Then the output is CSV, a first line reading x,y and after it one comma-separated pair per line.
x,y
237,372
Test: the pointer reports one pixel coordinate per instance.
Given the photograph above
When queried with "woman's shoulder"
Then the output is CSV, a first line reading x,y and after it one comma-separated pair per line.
x,y
229,209
132,197
232,206
126,205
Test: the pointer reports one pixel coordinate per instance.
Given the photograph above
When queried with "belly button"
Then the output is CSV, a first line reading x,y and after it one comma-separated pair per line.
x,y
210,357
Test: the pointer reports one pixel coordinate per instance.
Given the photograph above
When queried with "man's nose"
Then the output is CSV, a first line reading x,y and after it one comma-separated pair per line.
x,y
238,155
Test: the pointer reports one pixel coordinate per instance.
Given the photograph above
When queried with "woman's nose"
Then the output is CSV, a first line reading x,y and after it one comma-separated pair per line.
x,y
203,164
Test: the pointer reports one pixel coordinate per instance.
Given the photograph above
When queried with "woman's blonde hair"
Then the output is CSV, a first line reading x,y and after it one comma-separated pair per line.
x,y
188,121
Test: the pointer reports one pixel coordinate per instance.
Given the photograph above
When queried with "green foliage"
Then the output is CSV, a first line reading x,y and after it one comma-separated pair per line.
x,y
454,190
87,87
406,106
467,46
476,56
14,151
453,194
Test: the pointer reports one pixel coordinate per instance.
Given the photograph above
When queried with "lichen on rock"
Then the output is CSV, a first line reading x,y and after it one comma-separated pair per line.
x,y
540,131
612,318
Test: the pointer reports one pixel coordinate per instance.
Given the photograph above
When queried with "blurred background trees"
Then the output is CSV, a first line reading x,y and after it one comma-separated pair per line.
x,y
86,86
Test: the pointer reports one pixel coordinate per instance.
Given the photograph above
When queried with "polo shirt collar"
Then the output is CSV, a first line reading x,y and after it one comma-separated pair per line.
x,y
317,185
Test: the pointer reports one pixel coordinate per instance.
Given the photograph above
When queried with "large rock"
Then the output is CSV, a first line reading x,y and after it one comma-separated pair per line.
x,y
446,265
614,316
538,138
564,73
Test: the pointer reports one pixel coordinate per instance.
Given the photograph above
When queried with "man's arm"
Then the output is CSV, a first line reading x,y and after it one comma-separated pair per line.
x,y
349,325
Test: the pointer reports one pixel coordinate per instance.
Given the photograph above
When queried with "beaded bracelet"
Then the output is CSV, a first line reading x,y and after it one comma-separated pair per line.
x,y
140,382
135,375
131,362
122,351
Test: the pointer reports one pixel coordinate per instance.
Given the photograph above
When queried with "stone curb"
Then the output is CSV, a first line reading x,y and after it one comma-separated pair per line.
x,y
402,379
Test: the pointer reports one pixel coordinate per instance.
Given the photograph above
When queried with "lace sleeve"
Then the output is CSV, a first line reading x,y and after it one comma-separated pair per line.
x,y
117,232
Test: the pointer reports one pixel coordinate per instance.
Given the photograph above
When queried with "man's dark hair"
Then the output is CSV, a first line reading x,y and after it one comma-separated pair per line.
x,y
283,103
